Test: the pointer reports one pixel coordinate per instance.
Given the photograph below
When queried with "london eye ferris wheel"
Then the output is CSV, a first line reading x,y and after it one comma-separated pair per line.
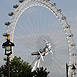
x,y
39,28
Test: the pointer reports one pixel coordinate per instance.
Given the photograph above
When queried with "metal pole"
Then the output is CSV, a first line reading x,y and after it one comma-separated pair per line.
x,y
8,61
66,70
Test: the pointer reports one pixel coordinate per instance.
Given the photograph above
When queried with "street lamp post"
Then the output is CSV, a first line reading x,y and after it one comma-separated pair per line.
x,y
8,51
66,70
73,69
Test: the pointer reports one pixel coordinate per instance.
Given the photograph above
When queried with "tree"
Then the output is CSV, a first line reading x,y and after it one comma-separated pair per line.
x,y
18,68
41,72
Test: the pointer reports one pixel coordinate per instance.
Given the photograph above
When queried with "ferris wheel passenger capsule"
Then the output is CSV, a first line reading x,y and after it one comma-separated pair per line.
x,y
73,54
59,10
5,34
11,14
63,18
71,35
7,23
47,0
54,4
15,6
72,44
67,26
21,1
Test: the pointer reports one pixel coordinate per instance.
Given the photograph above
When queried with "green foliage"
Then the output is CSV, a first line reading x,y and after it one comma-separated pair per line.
x,y
41,72
19,68
3,71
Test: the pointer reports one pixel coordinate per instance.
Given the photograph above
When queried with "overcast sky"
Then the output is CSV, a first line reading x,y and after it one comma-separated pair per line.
x,y
69,9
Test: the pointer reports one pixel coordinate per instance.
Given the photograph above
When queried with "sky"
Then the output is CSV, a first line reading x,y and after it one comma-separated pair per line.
x,y
69,9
